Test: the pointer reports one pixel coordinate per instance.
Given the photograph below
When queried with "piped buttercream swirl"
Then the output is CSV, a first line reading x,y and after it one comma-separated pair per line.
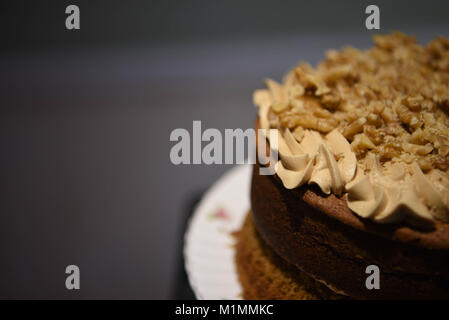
x,y
395,191
327,162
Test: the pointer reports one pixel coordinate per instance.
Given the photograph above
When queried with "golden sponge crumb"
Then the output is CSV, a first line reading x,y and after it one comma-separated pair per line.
x,y
266,276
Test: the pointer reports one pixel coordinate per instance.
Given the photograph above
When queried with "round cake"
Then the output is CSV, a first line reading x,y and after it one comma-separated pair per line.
x,y
357,206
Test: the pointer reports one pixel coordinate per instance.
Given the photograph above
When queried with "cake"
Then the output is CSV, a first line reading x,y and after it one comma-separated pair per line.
x,y
361,187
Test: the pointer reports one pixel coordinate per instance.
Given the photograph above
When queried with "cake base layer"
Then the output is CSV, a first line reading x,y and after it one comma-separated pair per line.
x,y
266,276
324,239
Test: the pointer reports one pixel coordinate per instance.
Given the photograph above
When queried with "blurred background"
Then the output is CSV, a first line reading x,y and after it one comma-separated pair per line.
x,y
86,116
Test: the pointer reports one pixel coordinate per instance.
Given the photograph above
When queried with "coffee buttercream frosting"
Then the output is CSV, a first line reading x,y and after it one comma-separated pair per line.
x,y
384,149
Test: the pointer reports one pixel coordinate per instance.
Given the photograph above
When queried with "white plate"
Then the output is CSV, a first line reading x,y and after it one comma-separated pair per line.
x,y
208,242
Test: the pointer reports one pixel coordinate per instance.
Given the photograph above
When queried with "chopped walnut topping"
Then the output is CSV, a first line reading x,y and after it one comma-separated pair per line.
x,y
392,100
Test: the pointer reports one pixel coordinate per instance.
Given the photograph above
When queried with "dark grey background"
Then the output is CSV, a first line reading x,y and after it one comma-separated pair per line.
x,y
86,117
